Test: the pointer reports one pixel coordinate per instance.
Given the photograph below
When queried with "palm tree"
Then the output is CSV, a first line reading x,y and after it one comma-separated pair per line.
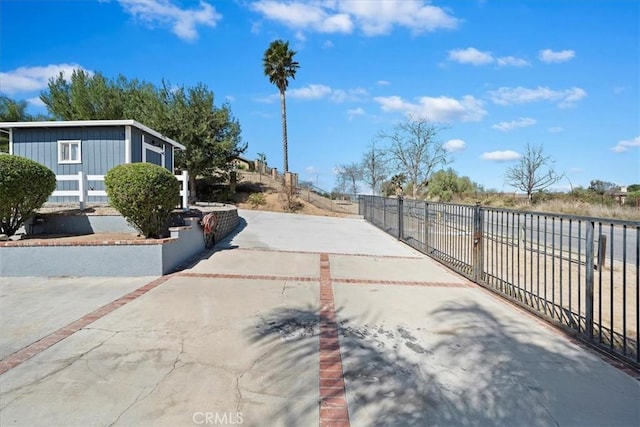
x,y
279,66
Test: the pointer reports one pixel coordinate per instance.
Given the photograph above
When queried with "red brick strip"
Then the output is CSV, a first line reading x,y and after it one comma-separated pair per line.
x,y
402,283
333,402
44,343
249,277
417,256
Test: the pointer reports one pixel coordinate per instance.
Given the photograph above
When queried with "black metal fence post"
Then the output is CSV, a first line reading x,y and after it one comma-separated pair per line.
x,y
426,227
478,246
400,218
589,277
384,215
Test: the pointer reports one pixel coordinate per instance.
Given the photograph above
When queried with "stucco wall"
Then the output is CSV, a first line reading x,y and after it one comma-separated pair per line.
x,y
110,258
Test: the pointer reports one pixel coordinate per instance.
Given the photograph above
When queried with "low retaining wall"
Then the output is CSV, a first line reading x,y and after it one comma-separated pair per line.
x,y
148,257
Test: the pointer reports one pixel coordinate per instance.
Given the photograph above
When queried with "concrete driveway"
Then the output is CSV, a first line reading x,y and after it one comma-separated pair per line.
x,y
295,321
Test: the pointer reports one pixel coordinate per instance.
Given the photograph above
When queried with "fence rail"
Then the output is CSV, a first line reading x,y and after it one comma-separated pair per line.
x,y
578,272
84,190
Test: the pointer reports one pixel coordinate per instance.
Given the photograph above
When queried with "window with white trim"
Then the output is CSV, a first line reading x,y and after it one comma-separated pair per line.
x,y
70,151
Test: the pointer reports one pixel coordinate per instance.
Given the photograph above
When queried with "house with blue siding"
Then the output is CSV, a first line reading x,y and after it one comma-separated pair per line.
x,y
89,146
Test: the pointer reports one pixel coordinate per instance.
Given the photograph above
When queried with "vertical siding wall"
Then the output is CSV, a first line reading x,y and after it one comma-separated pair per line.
x,y
155,158
136,145
102,149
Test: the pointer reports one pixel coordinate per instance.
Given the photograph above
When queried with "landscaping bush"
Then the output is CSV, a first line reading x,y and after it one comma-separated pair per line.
x,y
145,194
24,187
257,199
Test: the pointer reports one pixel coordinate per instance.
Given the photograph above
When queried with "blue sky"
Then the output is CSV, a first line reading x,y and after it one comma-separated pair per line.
x,y
498,74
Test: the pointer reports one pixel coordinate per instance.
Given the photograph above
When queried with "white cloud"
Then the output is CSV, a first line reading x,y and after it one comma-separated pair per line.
x,y
355,112
36,101
311,170
549,56
454,145
477,57
320,91
341,95
466,109
625,145
31,79
383,83
514,124
303,16
183,22
371,17
328,44
512,61
500,156
555,129
576,170
521,95
471,56
313,91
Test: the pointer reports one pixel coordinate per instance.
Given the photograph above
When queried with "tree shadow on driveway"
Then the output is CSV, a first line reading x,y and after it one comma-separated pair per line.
x,y
462,366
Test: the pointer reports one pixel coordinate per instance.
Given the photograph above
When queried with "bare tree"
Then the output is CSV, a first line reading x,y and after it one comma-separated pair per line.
x,y
534,171
348,177
374,167
415,150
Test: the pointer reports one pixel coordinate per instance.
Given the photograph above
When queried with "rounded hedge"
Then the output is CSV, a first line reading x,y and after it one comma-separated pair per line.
x,y
24,187
145,194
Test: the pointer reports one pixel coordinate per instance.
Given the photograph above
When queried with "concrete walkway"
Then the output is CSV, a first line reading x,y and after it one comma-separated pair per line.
x,y
294,321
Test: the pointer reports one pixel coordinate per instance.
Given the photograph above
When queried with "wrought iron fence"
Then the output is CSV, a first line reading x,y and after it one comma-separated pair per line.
x,y
580,273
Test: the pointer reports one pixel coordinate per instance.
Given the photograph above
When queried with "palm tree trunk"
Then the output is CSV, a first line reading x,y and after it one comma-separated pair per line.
x,y
285,148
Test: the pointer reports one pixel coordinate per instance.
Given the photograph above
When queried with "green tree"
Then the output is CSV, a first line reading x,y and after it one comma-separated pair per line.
x,y
279,66
94,97
415,150
445,184
210,134
394,186
534,172
602,187
11,111
83,97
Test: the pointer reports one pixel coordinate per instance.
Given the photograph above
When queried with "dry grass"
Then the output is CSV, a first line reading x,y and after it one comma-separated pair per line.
x,y
587,209
556,205
274,203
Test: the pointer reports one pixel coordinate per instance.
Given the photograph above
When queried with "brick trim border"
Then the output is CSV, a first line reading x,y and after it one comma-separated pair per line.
x,y
401,283
333,401
26,353
418,256
248,277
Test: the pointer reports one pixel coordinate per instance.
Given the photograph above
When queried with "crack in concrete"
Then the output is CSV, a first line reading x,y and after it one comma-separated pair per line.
x,y
253,365
20,391
127,408
88,328
535,394
139,398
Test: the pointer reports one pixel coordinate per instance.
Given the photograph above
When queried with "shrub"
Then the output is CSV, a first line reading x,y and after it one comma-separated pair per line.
x,y
145,194
256,199
24,187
